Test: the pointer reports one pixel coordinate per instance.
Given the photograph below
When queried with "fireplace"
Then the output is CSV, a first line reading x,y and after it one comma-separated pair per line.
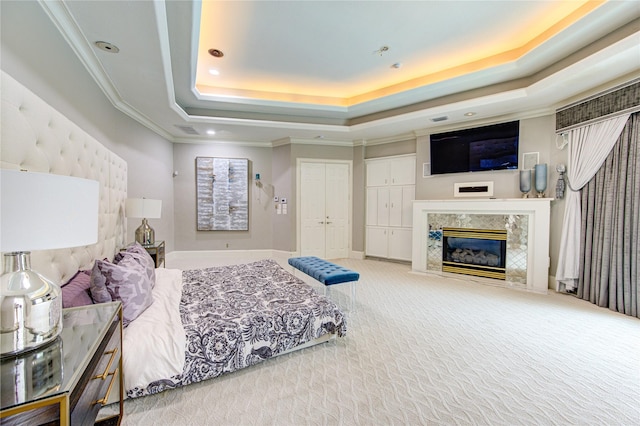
x,y
479,252
526,221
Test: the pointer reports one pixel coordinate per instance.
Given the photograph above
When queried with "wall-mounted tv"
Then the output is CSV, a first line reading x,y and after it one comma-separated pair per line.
x,y
493,147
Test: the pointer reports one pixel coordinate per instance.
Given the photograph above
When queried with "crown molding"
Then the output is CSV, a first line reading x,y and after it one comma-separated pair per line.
x,y
83,48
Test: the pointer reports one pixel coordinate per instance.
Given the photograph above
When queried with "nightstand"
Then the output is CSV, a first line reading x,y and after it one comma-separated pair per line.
x,y
156,250
67,381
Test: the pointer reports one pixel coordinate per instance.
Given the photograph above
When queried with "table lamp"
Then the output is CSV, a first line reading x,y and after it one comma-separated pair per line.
x,y
146,209
38,211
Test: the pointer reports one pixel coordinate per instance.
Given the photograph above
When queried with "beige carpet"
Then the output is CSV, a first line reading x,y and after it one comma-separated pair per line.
x,y
427,350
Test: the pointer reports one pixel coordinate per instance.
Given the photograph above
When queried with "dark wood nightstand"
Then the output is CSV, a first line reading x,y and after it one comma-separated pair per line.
x,y
156,251
67,381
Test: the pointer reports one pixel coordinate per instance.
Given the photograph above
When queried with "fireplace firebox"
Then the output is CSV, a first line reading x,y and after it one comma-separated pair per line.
x,y
479,252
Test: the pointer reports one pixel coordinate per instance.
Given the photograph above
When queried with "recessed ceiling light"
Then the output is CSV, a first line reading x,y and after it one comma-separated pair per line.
x,y
214,72
396,65
216,53
107,47
211,132
469,114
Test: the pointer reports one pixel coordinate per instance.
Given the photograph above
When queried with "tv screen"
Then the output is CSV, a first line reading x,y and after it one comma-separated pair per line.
x,y
493,147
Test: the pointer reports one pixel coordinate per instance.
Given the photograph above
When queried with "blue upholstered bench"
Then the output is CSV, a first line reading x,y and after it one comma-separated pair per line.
x,y
327,273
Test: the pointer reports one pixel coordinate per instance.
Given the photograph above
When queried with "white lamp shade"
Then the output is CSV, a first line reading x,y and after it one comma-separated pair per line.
x,y
41,211
143,208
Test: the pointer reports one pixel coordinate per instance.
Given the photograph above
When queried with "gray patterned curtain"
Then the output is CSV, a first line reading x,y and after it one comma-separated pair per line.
x,y
610,254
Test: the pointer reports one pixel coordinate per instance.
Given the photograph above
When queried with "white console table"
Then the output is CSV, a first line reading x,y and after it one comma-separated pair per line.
x,y
537,210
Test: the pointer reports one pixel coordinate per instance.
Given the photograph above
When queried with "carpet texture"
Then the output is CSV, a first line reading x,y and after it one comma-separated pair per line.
x,y
430,350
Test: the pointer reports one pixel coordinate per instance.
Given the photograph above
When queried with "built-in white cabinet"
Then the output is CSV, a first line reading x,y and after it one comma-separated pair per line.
x,y
392,171
391,190
387,242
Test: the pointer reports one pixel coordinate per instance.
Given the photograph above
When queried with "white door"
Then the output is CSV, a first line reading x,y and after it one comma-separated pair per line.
x,y
312,207
324,209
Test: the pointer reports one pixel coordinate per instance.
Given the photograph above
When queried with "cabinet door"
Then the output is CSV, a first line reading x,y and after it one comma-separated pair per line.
x,y
377,242
400,243
408,195
377,173
402,171
383,206
395,205
372,206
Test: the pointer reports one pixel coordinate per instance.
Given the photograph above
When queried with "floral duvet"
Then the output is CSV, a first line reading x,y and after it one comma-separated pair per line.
x,y
236,316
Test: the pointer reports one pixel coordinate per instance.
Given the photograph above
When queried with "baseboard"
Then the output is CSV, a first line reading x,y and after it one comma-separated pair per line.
x,y
224,254
356,255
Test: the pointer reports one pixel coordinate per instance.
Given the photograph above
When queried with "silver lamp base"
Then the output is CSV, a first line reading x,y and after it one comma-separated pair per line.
x,y
145,235
30,306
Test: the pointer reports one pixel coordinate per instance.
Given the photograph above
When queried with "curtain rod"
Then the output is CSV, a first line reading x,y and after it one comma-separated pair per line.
x,y
631,110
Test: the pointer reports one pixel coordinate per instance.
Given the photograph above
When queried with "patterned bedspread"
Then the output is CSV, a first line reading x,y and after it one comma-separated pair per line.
x,y
236,316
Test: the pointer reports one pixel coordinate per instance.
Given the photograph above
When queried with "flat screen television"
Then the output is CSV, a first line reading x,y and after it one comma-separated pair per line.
x,y
493,147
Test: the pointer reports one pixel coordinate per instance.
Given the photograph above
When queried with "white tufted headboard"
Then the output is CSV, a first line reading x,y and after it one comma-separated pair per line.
x,y
36,137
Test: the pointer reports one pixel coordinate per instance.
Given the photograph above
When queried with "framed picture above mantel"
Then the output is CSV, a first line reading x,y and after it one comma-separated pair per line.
x,y
222,194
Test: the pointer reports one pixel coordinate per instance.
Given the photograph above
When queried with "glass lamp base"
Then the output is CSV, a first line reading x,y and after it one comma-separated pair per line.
x,y
30,306
145,235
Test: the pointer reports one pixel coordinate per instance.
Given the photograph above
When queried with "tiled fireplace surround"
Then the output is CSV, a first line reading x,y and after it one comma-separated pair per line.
x,y
525,219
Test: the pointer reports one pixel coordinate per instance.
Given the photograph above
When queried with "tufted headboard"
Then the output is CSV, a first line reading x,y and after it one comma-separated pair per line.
x,y
37,138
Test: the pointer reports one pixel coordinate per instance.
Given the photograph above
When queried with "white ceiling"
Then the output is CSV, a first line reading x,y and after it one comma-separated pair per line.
x,y
310,70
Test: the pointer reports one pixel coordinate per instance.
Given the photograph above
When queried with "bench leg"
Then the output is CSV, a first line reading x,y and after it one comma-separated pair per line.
x,y
352,301
353,295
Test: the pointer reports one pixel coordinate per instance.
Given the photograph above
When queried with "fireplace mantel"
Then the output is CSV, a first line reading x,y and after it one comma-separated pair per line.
x,y
535,210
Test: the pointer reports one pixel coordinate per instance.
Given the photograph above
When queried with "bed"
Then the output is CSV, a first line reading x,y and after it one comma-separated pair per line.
x,y
207,322
192,325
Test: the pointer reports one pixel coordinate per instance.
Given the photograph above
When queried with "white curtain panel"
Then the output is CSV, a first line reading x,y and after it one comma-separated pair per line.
x,y
589,147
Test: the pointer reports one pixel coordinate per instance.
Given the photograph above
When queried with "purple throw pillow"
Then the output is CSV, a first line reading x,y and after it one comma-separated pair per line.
x,y
98,286
141,255
126,281
75,292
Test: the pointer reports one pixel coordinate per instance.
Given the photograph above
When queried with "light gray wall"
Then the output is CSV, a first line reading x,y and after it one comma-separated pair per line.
x,y
359,200
284,237
536,134
50,69
390,149
259,235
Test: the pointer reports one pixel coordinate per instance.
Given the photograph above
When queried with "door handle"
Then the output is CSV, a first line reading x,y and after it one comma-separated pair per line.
x,y
329,222
321,223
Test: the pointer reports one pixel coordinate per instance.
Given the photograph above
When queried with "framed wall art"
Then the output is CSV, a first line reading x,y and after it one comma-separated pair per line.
x,y
222,194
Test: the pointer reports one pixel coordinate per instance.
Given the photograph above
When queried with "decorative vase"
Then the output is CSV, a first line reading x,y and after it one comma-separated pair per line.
x,y
525,182
541,179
